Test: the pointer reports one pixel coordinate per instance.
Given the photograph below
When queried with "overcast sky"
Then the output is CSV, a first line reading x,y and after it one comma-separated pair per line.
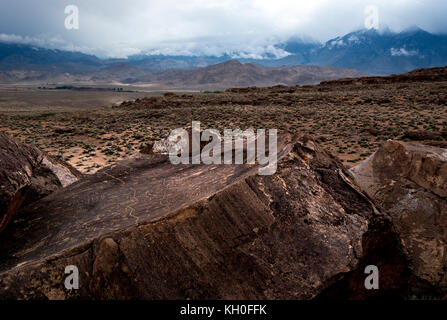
x,y
118,28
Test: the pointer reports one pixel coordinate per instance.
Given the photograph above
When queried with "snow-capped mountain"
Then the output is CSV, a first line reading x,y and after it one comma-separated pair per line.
x,y
370,51
384,52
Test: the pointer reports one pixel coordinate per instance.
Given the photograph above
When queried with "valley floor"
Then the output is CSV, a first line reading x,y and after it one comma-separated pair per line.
x,y
351,118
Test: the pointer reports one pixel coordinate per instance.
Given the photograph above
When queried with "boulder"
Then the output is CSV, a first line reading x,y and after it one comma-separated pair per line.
x,y
422,135
147,229
176,144
26,175
409,181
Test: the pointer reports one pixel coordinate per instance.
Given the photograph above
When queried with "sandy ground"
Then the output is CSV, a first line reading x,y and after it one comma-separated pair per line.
x,y
90,129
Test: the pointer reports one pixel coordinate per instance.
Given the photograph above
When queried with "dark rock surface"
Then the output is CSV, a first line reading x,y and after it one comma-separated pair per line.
x,y
26,175
424,135
147,229
410,182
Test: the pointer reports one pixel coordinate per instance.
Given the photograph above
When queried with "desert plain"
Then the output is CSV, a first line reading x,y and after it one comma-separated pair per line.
x,y
94,127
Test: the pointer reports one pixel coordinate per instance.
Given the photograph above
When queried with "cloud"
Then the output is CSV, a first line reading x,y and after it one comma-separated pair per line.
x,y
45,42
116,28
403,52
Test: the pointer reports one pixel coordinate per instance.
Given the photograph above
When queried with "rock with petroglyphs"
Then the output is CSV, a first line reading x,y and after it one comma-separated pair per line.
x,y
147,229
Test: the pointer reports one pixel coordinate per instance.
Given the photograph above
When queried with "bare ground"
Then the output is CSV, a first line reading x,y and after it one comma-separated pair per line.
x,y
350,118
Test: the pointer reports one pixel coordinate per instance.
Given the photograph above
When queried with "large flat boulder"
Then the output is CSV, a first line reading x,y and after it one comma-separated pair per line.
x,y
409,181
26,175
147,229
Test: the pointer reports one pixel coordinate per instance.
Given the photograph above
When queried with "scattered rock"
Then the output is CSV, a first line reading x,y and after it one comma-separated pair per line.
x,y
421,135
373,131
64,130
439,144
138,135
147,149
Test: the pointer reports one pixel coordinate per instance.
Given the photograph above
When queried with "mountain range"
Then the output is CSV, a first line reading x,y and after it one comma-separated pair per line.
x,y
219,76
384,53
368,51
236,74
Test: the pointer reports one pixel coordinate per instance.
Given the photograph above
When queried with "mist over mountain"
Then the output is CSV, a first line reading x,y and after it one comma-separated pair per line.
x,y
384,53
368,51
15,56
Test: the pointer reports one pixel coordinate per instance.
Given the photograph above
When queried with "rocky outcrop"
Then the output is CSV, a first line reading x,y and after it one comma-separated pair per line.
x,y
410,182
26,175
147,229
424,135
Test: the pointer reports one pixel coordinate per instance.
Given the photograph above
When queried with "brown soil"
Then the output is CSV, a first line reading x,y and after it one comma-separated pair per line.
x,y
351,118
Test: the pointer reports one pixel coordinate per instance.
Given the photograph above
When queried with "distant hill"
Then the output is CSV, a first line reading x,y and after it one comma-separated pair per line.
x,y
160,63
121,72
235,74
